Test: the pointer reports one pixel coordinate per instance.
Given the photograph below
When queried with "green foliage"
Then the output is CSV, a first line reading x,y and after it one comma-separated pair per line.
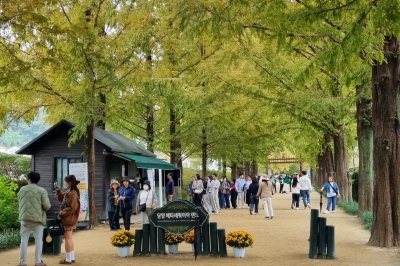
x,y
14,166
367,218
8,204
354,179
350,207
11,238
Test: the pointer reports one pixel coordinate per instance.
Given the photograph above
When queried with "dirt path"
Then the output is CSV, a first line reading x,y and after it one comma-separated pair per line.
x,y
282,241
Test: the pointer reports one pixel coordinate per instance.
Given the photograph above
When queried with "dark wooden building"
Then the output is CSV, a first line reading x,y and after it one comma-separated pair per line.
x,y
116,156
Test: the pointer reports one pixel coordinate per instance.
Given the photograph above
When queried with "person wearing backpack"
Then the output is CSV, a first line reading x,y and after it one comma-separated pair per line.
x,y
332,193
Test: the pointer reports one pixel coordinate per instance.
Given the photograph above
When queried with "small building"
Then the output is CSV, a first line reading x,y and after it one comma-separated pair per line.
x,y
115,156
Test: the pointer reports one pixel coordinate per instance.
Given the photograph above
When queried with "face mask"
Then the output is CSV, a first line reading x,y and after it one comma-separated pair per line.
x,y
146,187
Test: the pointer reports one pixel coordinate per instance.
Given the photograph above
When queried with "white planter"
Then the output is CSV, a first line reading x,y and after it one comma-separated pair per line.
x,y
239,252
123,251
172,249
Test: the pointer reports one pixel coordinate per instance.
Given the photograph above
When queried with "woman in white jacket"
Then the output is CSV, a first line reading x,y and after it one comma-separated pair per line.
x,y
148,196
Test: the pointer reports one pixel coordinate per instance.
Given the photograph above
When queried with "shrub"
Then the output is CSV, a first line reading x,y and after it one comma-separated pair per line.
x,y
123,238
11,238
239,239
171,239
8,204
367,218
350,207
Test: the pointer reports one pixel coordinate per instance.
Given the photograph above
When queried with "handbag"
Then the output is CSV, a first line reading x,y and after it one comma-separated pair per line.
x,y
57,229
142,207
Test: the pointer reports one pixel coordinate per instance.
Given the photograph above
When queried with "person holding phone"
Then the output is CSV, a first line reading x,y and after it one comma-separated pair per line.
x,y
69,214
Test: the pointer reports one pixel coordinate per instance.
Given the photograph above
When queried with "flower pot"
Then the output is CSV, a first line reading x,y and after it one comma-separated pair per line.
x,y
172,249
123,251
239,252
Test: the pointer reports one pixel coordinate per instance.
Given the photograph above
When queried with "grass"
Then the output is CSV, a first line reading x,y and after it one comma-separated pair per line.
x,y
367,218
351,207
10,238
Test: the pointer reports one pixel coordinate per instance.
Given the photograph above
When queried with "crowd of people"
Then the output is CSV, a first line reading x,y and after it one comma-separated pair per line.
x,y
211,193
215,194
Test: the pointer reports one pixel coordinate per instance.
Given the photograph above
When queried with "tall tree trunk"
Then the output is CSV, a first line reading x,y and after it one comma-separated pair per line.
x,y
224,167
101,123
150,127
341,164
89,157
247,169
234,171
328,159
365,151
385,125
204,155
320,170
254,168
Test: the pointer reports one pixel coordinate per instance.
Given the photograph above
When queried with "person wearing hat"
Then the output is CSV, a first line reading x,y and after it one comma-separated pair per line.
x,y
146,196
112,205
126,194
265,192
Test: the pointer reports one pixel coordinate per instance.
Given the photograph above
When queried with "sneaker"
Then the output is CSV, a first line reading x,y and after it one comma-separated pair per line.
x,y
256,213
272,217
40,264
334,211
65,262
21,264
297,208
326,211
309,206
266,218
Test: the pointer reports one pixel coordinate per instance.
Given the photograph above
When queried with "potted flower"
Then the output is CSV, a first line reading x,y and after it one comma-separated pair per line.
x,y
123,240
239,240
189,238
172,241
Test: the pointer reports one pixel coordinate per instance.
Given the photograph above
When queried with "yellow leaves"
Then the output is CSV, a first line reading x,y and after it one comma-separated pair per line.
x,y
122,238
239,239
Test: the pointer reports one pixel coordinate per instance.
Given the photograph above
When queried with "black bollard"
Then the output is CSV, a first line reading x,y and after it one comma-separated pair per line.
x,y
330,238
205,233
161,241
146,238
313,234
222,245
214,239
321,237
137,248
153,239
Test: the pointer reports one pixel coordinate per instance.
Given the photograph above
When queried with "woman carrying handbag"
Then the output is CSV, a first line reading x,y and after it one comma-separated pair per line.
x,y
332,193
146,202
69,214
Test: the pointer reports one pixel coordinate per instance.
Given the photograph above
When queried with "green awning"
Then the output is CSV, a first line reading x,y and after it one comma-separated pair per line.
x,y
148,162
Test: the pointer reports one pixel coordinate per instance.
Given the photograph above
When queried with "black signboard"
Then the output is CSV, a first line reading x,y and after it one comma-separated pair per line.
x,y
178,217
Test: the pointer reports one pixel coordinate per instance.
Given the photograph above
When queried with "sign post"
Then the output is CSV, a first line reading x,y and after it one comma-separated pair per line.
x,y
80,171
178,217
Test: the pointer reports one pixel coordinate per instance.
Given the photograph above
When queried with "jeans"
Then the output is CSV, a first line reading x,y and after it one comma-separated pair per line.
x,y
113,219
306,197
254,203
225,201
331,201
26,228
296,199
126,213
